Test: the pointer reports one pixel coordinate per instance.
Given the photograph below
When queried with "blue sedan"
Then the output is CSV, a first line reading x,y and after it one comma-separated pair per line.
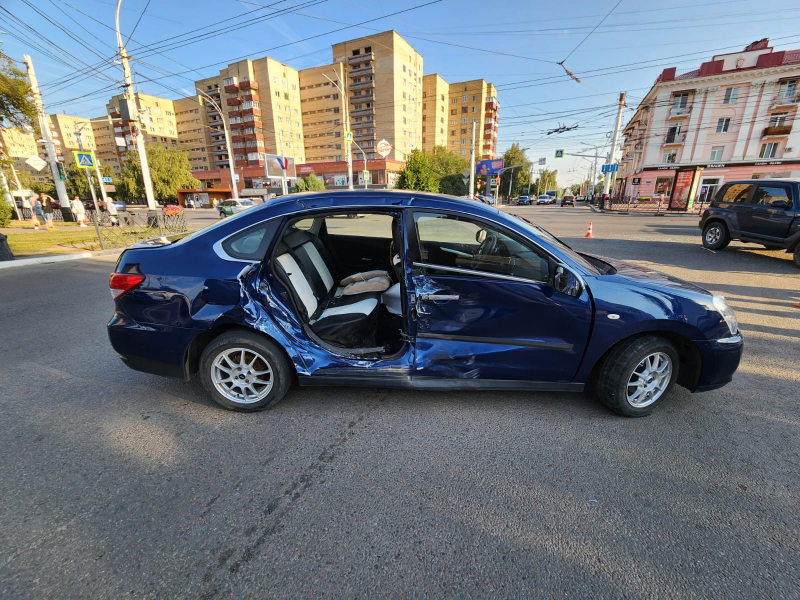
x,y
423,291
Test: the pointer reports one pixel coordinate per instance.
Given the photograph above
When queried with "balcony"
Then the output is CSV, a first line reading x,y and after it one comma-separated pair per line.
x,y
368,70
212,112
237,138
492,104
489,123
790,99
777,130
364,136
219,151
674,139
638,147
221,162
362,111
240,163
256,112
680,111
255,163
234,113
212,92
215,122
369,56
251,97
362,98
233,101
363,85
248,85
232,88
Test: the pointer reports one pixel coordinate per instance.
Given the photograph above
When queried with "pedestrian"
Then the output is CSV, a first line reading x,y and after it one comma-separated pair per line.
x,y
47,207
79,210
38,212
30,204
112,212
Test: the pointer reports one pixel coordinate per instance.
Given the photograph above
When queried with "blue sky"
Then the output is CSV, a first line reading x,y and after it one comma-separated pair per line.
x,y
515,44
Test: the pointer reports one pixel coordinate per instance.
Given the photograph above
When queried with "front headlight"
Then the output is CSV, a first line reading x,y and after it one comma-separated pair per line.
x,y
726,312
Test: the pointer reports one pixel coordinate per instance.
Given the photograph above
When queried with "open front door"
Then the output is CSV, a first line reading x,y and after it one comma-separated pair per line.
x,y
484,309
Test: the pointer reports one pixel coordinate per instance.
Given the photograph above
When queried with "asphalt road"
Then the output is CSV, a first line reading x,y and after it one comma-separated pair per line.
x,y
120,484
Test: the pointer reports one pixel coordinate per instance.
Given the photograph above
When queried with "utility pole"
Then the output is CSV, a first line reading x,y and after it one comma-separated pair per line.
x,y
96,167
364,158
94,197
226,130
345,123
612,155
284,187
19,188
61,189
472,163
133,114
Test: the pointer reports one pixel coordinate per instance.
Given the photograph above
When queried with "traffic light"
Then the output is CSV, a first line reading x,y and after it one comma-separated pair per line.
x,y
61,173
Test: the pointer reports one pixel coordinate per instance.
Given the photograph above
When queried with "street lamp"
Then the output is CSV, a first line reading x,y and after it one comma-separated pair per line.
x,y
226,132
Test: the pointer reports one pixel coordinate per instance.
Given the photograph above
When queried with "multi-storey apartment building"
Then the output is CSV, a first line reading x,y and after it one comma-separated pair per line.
x,y
158,118
106,149
464,102
435,111
383,85
323,107
66,131
194,133
731,118
18,146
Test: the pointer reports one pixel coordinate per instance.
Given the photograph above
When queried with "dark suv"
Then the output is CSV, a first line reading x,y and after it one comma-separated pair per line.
x,y
761,211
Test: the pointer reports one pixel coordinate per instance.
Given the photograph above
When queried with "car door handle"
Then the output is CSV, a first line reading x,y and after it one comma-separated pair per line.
x,y
438,297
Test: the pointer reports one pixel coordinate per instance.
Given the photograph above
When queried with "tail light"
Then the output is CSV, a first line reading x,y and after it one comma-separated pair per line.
x,y
122,283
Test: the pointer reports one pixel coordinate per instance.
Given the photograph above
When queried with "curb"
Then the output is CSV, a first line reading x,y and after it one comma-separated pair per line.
x,y
53,258
644,214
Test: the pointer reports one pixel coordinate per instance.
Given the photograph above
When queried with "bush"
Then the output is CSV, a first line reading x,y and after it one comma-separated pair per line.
x,y
5,213
173,210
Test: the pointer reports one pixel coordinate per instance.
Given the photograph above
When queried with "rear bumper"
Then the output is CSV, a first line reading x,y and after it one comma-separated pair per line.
x,y
151,348
720,360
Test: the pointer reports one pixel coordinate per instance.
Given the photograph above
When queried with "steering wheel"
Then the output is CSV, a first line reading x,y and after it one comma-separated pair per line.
x,y
487,248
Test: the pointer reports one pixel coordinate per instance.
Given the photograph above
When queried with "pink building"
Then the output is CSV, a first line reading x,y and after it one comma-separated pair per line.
x,y
730,119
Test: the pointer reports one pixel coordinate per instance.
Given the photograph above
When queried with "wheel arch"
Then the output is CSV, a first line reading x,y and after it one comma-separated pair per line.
x,y
191,363
691,361
733,229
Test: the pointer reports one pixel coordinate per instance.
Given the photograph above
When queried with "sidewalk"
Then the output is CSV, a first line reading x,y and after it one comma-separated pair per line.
x,y
645,213
52,258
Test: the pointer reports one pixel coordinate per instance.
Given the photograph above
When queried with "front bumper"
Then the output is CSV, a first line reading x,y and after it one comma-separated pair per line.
x,y
720,360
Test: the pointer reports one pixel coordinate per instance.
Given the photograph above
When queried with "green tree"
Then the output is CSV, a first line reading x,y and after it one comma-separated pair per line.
x,y
575,189
16,106
453,185
522,175
77,184
310,183
169,169
5,208
418,174
547,180
445,162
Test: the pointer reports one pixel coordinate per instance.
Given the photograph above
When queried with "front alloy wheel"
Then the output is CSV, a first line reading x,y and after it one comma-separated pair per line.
x,y
716,236
637,374
242,375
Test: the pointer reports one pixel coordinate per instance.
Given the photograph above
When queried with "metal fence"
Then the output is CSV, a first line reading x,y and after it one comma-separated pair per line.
x,y
129,228
649,205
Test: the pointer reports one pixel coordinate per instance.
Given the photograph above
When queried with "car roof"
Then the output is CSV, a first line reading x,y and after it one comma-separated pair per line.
x,y
771,179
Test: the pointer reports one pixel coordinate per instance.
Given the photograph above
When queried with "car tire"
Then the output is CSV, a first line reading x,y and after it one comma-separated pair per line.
x,y
796,255
633,368
267,365
716,236
221,215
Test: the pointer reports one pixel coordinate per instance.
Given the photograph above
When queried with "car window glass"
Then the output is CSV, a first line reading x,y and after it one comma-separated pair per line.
x,y
737,192
453,241
360,225
766,195
304,224
252,243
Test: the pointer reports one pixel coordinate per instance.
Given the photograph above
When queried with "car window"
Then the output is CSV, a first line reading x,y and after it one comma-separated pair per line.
x,y
737,192
304,224
360,225
252,243
765,195
457,242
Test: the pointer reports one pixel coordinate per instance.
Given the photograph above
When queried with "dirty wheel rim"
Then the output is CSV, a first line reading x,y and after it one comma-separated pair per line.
x,y
649,380
713,234
242,375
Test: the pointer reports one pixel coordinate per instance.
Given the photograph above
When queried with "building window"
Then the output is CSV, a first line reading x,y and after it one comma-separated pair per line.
x,y
474,109
716,153
680,100
724,125
768,150
463,151
787,89
474,98
464,98
453,111
731,95
277,94
463,141
229,81
463,120
778,119
454,101
669,156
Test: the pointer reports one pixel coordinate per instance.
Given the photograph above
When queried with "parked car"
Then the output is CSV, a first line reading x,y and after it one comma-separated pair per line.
x,y
229,208
759,211
543,199
120,206
282,293
568,200
580,198
524,201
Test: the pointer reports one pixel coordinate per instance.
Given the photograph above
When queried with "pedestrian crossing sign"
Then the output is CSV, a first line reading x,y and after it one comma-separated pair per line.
x,y
83,160
560,153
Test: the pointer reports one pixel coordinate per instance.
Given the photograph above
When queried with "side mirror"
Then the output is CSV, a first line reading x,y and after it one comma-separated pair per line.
x,y
785,205
566,282
480,236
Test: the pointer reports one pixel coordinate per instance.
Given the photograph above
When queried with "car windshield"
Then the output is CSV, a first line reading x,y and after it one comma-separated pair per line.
x,y
544,197
546,235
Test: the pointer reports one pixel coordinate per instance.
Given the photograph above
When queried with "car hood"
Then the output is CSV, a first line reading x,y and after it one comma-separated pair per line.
x,y
651,278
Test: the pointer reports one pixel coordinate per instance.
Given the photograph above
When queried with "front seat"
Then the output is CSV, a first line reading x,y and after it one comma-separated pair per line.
x,y
391,298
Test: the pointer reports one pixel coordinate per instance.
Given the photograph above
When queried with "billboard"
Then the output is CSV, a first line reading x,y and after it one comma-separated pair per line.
x,y
488,167
273,163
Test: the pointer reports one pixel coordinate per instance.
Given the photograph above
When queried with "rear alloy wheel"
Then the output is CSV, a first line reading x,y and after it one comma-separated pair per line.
x,y
637,375
244,371
716,236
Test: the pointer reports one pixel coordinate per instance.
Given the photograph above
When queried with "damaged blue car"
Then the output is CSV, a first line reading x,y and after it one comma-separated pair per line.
x,y
410,290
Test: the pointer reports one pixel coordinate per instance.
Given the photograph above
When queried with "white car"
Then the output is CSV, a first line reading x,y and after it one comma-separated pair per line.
x,y
544,199
229,208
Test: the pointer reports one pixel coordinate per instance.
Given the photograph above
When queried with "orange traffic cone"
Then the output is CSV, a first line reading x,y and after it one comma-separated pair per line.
x,y
589,233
